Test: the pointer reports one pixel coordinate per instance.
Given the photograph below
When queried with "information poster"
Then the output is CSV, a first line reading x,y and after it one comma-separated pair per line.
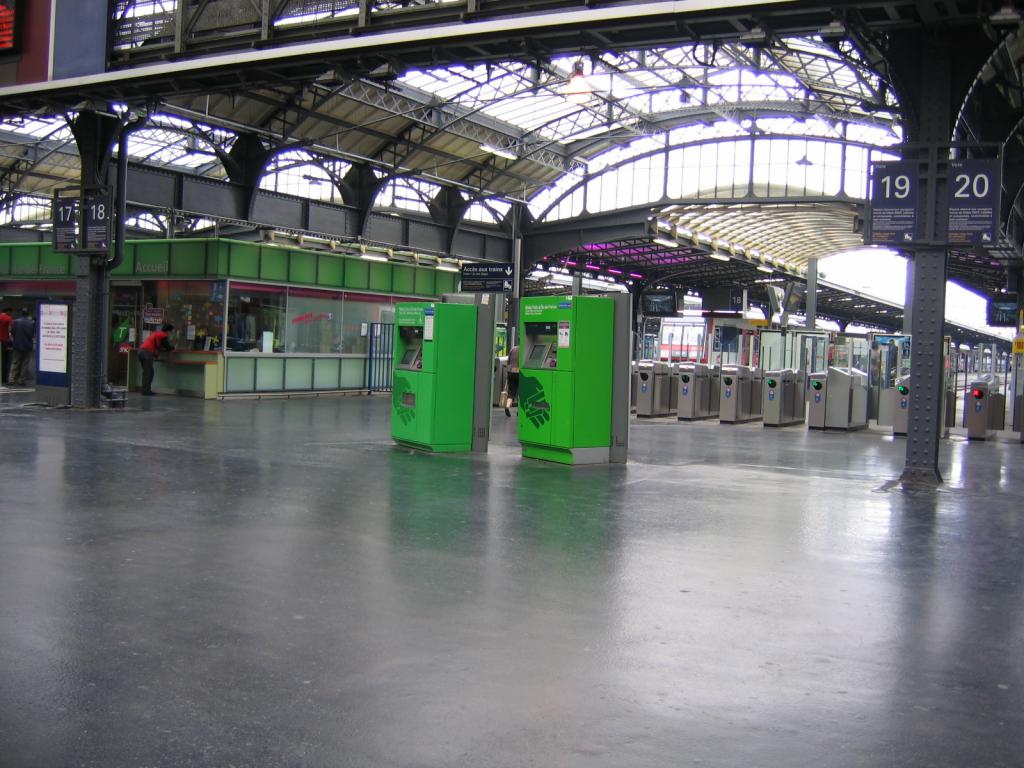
x,y
53,338
974,187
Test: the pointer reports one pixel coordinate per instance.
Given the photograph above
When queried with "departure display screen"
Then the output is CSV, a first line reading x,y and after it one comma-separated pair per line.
x,y
1003,313
8,25
659,304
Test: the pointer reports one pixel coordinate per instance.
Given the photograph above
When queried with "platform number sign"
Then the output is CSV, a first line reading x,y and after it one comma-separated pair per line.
x,y
96,213
894,196
973,188
82,220
65,223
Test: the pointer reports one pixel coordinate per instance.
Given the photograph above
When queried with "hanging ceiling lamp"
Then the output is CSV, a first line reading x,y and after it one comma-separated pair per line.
x,y
577,90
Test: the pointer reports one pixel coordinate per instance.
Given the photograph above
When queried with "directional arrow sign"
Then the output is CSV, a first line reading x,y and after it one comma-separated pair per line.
x,y
487,278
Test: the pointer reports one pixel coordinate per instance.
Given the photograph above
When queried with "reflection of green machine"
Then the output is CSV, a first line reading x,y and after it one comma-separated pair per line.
x,y
565,380
433,385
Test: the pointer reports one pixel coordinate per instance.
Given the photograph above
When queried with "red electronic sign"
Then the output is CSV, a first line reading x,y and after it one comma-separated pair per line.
x,y
8,20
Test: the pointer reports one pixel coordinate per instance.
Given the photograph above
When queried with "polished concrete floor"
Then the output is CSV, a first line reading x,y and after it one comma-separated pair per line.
x,y
274,584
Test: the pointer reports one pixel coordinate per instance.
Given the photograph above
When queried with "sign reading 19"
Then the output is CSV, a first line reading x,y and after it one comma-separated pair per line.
x,y
897,186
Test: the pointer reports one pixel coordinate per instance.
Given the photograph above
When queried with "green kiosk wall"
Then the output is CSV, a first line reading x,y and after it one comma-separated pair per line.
x,y
434,368
565,379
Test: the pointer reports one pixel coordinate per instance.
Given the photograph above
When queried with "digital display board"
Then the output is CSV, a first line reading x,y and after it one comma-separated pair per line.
x,y
659,304
1003,313
8,26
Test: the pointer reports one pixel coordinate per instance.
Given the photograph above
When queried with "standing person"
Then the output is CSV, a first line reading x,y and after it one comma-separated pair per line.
x,y
512,379
23,335
6,321
149,352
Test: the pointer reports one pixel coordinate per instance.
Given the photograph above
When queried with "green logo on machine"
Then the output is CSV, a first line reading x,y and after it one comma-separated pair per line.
x,y
533,402
403,399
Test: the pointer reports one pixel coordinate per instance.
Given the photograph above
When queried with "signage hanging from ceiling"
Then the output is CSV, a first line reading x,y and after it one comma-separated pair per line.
x,y
8,26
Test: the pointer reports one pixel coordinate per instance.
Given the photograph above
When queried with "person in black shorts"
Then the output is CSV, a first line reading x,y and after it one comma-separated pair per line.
x,y
512,380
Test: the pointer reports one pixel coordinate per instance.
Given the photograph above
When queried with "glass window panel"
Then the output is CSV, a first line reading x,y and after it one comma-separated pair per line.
x,y
252,311
194,307
357,312
314,322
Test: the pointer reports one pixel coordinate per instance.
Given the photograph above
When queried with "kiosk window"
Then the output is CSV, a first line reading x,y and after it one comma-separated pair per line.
x,y
537,353
409,356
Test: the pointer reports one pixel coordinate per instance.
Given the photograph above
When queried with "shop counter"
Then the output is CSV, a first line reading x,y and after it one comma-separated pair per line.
x,y
185,372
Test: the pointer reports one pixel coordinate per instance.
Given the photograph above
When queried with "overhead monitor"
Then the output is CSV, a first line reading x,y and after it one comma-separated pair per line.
x,y
658,303
1003,313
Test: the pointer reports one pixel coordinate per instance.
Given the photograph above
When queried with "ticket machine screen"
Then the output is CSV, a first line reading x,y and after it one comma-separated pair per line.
x,y
412,341
538,353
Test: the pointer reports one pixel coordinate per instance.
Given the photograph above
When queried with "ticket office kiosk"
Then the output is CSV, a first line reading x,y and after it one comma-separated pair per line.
x,y
565,379
433,377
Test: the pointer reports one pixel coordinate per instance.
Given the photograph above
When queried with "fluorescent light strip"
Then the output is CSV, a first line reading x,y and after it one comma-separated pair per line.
x,y
499,152
372,257
446,268
718,256
665,242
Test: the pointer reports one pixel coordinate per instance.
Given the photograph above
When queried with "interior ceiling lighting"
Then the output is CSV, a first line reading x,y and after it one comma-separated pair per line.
x,y
764,268
576,89
834,30
717,256
660,240
1006,16
447,268
507,154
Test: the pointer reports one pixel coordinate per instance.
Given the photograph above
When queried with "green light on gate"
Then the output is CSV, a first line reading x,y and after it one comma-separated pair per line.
x,y
903,389
727,380
815,385
686,379
772,383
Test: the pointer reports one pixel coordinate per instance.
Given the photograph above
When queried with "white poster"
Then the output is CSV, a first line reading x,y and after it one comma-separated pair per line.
x,y
53,338
428,327
564,338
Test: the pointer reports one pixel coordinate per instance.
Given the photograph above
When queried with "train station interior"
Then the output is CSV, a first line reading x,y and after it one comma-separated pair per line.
x,y
464,382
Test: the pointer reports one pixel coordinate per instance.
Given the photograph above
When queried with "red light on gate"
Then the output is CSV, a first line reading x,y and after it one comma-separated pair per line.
x,y
978,393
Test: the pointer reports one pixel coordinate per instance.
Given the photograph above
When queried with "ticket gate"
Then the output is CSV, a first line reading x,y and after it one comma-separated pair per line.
x,y
900,408
817,391
634,384
654,397
783,401
983,406
846,404
738,388
693,383
714,390
498,383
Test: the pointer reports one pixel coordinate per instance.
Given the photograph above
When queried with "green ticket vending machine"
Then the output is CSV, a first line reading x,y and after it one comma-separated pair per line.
x,y
565,379
433,380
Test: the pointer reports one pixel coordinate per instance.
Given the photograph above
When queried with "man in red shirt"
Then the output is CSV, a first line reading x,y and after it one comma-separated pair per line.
x,y
149,352
5,341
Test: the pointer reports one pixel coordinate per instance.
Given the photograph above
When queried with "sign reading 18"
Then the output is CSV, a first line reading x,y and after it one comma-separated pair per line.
x,y
900,185
98,211
965,186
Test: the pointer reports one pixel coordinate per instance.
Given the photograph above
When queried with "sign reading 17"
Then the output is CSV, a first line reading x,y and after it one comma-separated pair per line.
x,y
895,186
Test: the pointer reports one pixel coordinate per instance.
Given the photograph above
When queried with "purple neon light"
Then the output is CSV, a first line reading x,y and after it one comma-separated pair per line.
x,y
615,271
592,267
570,263
635,275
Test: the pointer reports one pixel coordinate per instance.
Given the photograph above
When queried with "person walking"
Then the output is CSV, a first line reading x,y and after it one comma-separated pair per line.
x,y
512,380
149,352
23,336
6,321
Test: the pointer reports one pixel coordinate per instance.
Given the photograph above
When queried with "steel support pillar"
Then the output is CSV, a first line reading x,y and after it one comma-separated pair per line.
x,y
927,304
95,135
812,294
908,298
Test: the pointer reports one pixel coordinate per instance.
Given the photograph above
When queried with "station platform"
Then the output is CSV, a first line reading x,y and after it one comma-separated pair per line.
x,y
273,583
